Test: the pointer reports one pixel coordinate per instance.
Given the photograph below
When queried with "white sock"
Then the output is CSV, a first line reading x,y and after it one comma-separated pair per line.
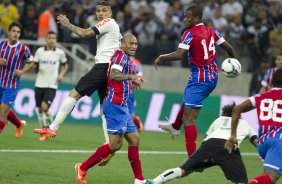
x,y
49,118
63,112
104,125
168,175
41,119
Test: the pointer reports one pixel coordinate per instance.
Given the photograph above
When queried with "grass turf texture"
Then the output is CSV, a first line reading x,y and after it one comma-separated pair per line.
x,y
58,168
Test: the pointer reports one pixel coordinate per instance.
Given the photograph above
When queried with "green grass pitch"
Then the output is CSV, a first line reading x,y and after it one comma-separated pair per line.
x,y
58,168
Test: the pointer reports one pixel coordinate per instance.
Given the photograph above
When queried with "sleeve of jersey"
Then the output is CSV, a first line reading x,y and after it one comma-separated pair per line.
x,y
253,101
103,26
265,80
63,58
36,56
218,37
186,40
28,55
119,63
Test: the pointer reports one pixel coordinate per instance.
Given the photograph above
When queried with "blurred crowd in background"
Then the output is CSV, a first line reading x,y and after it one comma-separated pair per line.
x,y
253,27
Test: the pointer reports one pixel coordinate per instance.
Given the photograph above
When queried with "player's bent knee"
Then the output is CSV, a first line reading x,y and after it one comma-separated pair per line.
x,y
74,94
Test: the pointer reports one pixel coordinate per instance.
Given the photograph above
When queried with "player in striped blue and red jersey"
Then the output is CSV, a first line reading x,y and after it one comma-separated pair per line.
x,y
269,111
267,79
12,57
119,122
199,40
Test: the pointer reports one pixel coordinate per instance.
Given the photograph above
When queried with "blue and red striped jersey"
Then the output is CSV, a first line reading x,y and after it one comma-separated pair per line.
x,y
15,55
269,111
118,92
200,42
267,78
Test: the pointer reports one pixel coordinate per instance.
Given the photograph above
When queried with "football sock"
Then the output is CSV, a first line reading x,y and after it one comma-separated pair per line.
x,y
262,179
41,119
178,121
190,138
168,175
133,157
96,157
48,118
104,125
13,119
63,113
2,125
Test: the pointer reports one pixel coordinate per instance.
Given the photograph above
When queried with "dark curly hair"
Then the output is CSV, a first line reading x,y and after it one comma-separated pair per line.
x,y
227,109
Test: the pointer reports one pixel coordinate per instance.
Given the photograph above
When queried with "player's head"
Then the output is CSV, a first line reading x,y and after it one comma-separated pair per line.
x,y
103,10
14,32
227,109
193,16
277,78
278,61
51,39
129,44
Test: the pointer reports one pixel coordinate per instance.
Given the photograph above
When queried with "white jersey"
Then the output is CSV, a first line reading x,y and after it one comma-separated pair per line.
x,y
49,62
221,129
108,40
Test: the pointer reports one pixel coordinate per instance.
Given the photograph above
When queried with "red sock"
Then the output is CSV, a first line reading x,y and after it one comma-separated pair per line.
x,y
178,121
2,125
13,119
133,157
190,138
96,157
262,179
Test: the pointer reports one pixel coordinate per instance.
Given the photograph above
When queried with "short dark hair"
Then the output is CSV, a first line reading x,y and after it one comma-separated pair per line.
x,y
51,32
196,11
15,24
104,3
277,78
227,109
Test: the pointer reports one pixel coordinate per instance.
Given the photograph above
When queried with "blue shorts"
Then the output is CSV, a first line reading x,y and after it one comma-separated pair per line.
x,y
196,92
119,120
131,103
271,152
8,95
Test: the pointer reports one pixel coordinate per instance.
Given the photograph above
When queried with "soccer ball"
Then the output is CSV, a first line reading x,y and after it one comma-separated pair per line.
x,y
231,67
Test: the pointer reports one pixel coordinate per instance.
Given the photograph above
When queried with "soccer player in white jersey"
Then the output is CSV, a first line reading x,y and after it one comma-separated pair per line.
x,y
212,152
108,37
108,41
48,60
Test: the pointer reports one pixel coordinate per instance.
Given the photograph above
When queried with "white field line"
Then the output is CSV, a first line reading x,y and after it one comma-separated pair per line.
x,y
121,152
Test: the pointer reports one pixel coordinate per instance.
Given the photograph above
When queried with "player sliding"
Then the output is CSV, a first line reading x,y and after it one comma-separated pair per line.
x,y
199,40
269,111
119,121
212,152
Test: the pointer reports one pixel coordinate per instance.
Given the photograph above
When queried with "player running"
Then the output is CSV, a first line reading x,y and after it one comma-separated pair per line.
x,y
13,54
199,40
269,110
48,60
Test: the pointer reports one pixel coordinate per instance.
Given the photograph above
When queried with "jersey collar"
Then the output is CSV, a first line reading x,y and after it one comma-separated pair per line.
x,y
200,24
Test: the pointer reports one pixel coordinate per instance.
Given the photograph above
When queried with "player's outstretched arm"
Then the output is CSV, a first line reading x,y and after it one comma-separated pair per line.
x,y
62,19
173,56
229,49
232,142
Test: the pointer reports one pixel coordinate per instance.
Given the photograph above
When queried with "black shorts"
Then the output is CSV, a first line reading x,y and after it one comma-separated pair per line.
x,y
95,79
212,153
46,95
